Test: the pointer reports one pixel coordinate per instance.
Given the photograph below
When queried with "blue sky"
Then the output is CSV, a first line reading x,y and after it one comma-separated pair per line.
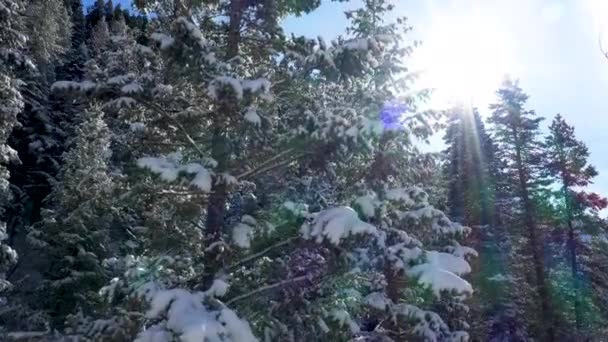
x,y
550,45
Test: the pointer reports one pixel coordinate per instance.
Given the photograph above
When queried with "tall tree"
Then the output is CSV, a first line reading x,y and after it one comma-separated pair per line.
x,y
244,151
567,163
516,131
12,59
74,229
470,168
76,55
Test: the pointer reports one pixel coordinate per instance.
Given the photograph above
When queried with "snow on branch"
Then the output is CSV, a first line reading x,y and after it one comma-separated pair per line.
x,y
183,313
335,225
441,272
239,87
169,169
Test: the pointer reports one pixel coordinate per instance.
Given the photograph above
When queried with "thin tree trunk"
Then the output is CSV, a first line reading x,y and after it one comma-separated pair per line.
x,y
574,268
539,269
572,250
216,207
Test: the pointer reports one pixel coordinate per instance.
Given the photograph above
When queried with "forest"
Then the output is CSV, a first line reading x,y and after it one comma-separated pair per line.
x,y
187,171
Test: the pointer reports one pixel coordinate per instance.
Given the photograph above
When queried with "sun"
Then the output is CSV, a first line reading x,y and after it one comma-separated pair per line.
x,y
464,58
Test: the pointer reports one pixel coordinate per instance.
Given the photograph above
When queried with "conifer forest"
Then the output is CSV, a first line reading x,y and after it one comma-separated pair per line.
x,y
190,171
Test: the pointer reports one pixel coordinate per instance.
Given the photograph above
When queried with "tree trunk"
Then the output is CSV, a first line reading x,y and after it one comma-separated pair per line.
x,y
216,206
572,250
539,269
574,269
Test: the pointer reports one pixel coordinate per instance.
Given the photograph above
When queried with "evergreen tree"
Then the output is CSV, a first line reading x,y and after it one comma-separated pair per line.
x,y
470,168
11,60
566,159
256,180
74,231
76,54
516,131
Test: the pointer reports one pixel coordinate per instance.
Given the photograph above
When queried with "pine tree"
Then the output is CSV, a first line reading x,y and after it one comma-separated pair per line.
x,y
49,34
11,103
76,55
74,230
245,186
567,164
470,168
516,132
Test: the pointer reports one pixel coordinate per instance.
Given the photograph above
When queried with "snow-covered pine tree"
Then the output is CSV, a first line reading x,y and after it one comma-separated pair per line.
x,y
72,68
11,103
75,227
256,182
516,130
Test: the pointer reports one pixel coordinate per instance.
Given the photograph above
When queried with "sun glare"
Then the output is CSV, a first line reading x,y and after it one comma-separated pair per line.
x,y
464,58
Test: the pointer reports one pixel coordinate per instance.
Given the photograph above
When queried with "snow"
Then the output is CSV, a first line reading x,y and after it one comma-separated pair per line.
x,y
228,179
401,256
239,87
119,79
429,324
462,251
256,85
367,204
165,168
143,49
87,85
406,195
169,169
361,44
378,300
137,126
70,85
193,30
164,40
335,225
298,209
162,90
343,318
385,38
242,234
202,180
252,116
239,330
321,323
186,316
131,88
218,288
585,238
441,271
222,82
248,219
448,262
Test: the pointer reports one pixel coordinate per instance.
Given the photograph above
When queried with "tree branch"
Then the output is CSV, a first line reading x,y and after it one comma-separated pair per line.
x,y
261,169
266,288
262,252
278,156
164,113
